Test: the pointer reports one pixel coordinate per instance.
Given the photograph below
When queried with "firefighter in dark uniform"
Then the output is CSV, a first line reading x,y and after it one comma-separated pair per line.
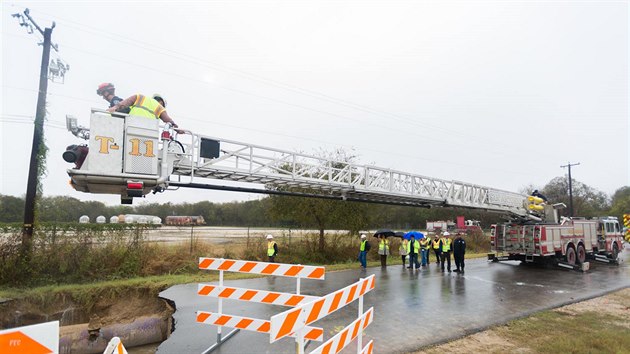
x,y
459,250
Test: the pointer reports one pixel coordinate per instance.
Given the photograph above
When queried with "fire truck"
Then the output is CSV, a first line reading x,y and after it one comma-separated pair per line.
x,y
134,156
566,242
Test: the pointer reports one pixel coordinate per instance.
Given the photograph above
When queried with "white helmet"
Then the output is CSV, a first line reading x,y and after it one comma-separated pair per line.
x,y
446,233
269,237
363,236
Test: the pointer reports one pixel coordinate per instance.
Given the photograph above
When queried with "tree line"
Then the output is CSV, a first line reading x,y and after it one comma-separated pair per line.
x,y
320,214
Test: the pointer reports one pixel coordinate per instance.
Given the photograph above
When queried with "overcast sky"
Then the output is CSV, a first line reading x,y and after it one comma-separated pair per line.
x,y
498,93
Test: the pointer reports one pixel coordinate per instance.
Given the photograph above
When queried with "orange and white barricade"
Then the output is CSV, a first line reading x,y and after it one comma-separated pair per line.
x,y
261,296
296,320
115,346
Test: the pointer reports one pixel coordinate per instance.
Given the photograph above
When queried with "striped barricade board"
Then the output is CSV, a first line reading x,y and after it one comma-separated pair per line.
x,y
369,348
115,346
260,296
252,324
336,344
264,268
285,323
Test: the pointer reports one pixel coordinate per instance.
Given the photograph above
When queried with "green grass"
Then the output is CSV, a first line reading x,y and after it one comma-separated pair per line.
x,y
560,332
85,294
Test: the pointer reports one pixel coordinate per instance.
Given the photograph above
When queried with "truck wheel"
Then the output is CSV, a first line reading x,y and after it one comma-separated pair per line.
x,y
615,251
571,256
581,254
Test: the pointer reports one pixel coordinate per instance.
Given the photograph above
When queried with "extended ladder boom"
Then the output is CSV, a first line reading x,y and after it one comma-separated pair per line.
x,y
128,163
285,170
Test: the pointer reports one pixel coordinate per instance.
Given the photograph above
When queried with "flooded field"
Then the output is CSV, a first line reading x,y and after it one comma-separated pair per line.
x,y
212,234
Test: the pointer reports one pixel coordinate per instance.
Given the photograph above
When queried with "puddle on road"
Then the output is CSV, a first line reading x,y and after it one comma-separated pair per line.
x,y
526,284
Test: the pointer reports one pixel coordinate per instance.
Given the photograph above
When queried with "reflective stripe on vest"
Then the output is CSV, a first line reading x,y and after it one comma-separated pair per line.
x,y
436,244
416,246
446,245
425,243
146,107
362,248
270,249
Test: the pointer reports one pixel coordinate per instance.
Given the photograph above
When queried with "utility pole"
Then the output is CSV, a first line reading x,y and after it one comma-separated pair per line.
x,y
38,133
568,165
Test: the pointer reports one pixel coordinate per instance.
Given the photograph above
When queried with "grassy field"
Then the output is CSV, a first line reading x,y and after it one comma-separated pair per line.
x,y
85,294
599,325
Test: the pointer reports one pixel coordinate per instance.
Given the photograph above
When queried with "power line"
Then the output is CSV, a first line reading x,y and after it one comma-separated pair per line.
x,y
498,152
167,52
204,62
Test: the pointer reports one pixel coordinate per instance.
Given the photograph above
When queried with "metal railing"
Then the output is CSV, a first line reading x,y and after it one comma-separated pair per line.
x,y
283,170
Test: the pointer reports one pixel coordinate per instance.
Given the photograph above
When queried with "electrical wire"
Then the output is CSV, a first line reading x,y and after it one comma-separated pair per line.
x,y
152,47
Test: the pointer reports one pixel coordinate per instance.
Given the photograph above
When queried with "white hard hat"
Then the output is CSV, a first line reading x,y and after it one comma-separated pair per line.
x,y
269,237
446,233
363,236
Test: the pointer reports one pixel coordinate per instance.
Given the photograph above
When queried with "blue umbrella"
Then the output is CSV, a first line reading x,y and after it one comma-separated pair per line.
x,y
416,234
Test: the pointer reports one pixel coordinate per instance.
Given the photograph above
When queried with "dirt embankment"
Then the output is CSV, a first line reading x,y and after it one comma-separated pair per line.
x,y
94,317
108,307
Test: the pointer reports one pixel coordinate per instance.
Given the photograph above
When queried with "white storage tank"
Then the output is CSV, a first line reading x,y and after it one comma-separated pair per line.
x,y
156,220
84,219
100,219
113,220
128,219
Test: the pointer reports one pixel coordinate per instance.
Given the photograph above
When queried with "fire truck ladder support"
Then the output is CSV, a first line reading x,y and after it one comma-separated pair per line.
x,y
282,172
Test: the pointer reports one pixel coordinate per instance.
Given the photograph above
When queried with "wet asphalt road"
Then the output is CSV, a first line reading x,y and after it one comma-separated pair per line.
x,y
413,309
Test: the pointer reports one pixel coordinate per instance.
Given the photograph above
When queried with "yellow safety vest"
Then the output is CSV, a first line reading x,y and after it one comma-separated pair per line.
x,y
270,249
446,244
146,107
436,244
362,248
425,243
416,246
383,245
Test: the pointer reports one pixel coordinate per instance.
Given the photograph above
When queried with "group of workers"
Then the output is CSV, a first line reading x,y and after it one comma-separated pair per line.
x,y
442,246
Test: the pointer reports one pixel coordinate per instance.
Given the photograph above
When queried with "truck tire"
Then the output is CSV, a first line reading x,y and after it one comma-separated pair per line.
x,y
615,252
571,256
581,254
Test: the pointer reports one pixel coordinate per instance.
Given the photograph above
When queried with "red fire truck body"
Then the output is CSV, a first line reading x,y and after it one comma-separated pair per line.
x,y
569,243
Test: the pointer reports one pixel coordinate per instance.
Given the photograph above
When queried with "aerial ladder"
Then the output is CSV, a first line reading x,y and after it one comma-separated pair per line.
x,y
134,156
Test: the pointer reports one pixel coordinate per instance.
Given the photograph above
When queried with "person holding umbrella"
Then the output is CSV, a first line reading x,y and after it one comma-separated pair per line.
x,y
413,247
445,250
363,250
403,250
383,249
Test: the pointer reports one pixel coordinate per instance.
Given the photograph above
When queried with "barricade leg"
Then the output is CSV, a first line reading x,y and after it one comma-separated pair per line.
x,y
220,340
